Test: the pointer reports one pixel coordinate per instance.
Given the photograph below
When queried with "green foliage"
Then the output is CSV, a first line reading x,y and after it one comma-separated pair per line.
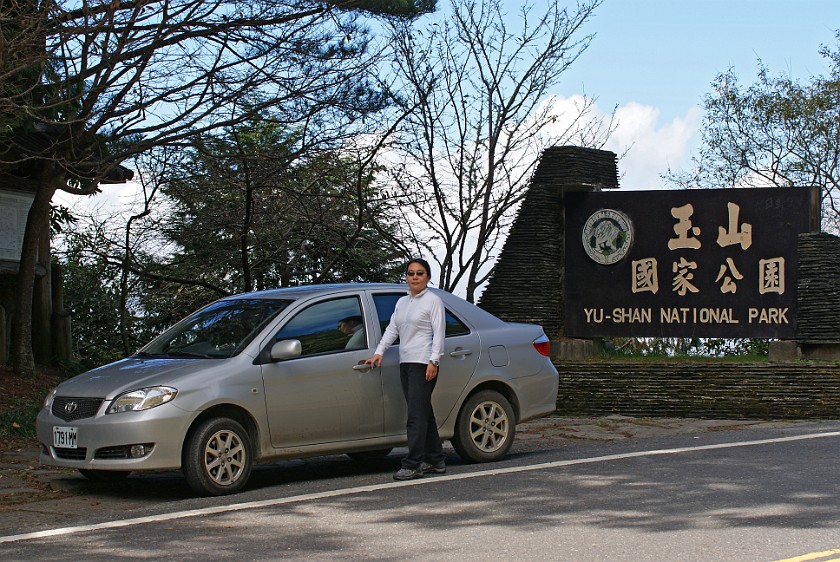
x,y
775,132
18,420
60,218
737,347
400,8
22,59
242,211
92,297
248,214
165,302
687,347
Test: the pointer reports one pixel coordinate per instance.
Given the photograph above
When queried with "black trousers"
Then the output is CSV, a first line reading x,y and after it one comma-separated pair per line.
x,y
423,439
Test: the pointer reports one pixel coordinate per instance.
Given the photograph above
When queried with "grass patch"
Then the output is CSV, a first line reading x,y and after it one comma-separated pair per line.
x,y
18,421
20,400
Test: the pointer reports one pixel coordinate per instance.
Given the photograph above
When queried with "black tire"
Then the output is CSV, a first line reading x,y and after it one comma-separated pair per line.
x,y
217,457
485,428
104,475
370,456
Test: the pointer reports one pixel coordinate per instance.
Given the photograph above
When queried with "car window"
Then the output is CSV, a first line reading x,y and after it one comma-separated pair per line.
x,y
327,326
385,304
455,327
218,331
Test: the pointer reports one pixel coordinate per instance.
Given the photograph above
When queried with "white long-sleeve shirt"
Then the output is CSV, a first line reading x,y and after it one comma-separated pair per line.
x,y
420,323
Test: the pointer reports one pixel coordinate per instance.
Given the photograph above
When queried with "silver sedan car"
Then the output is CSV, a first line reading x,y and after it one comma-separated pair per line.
x,y
279,374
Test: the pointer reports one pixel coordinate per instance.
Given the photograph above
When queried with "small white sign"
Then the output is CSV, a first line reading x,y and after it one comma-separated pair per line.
x,y
14,208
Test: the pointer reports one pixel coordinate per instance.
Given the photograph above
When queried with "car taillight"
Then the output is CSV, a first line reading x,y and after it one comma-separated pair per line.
x,y
543,345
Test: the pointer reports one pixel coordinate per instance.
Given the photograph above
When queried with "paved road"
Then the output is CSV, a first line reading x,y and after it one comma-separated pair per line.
x,y
769,493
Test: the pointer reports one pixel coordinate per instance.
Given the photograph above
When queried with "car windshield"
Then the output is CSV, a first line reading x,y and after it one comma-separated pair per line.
x,y
218,331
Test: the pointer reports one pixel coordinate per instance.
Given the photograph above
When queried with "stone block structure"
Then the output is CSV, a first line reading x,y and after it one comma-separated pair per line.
x,y
817,302
527,284
818,288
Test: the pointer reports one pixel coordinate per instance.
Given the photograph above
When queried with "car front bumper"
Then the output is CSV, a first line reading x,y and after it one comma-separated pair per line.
x,y
104,441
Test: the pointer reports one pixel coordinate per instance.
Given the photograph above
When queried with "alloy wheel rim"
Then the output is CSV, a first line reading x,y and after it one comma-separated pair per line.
x,y
489,426
224,457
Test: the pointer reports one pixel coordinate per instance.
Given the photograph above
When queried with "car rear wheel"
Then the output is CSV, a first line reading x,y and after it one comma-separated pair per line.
x,y
485,428
370,456
104,475
217,457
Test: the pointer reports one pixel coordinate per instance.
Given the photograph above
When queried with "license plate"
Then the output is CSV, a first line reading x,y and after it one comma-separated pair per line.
x,y
65,437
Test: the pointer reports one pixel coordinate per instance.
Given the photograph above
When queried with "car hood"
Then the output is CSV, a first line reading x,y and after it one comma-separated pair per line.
x,y
131,373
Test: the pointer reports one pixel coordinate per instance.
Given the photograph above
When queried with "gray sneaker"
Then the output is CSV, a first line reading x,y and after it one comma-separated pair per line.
x,y
427,468
408,474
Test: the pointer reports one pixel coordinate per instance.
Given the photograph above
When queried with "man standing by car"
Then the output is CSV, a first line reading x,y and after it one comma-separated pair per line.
x,y
352,326
420,324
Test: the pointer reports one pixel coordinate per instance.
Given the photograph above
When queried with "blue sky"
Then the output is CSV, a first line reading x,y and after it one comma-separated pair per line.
x,y
656,59
666,52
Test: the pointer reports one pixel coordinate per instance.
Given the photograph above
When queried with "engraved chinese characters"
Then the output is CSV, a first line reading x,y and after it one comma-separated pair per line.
x,y
696,263
771,275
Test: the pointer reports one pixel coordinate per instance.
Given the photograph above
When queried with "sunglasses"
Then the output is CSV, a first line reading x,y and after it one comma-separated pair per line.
x,y
418,273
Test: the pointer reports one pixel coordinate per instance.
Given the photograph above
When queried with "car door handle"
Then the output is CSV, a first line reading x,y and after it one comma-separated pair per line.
x,y
460,353
362,367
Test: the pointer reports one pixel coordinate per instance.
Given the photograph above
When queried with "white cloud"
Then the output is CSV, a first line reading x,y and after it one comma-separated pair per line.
x,y
647,148
115,199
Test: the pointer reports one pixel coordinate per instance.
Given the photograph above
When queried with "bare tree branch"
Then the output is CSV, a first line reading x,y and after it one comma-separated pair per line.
x,y
84,86
482,85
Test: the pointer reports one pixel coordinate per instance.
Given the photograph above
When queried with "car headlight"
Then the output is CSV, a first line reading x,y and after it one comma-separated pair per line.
x,y
142,399
49,399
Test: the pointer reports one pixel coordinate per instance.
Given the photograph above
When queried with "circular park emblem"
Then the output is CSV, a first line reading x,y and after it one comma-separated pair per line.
x,y
607,236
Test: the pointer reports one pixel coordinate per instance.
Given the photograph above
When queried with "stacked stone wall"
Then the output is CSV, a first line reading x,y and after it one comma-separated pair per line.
x,y
818,288
708,389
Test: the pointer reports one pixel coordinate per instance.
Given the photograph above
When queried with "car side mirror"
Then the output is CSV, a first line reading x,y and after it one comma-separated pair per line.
x,y
285,349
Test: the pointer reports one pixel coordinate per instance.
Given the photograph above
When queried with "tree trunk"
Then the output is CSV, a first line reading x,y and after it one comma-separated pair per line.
x,y
4,351
62,333
37,222
42,351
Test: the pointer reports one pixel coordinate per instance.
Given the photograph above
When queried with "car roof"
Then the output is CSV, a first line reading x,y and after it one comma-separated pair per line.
x,y
477,314
312,290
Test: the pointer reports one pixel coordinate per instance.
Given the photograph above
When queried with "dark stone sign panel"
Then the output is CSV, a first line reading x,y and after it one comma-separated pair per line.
x,y
685,263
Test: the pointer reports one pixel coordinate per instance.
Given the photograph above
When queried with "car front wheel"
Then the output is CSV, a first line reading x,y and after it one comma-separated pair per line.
x,y
217,457
485,428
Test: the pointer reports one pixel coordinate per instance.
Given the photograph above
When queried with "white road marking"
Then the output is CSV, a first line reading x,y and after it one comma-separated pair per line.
x,y
385,486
